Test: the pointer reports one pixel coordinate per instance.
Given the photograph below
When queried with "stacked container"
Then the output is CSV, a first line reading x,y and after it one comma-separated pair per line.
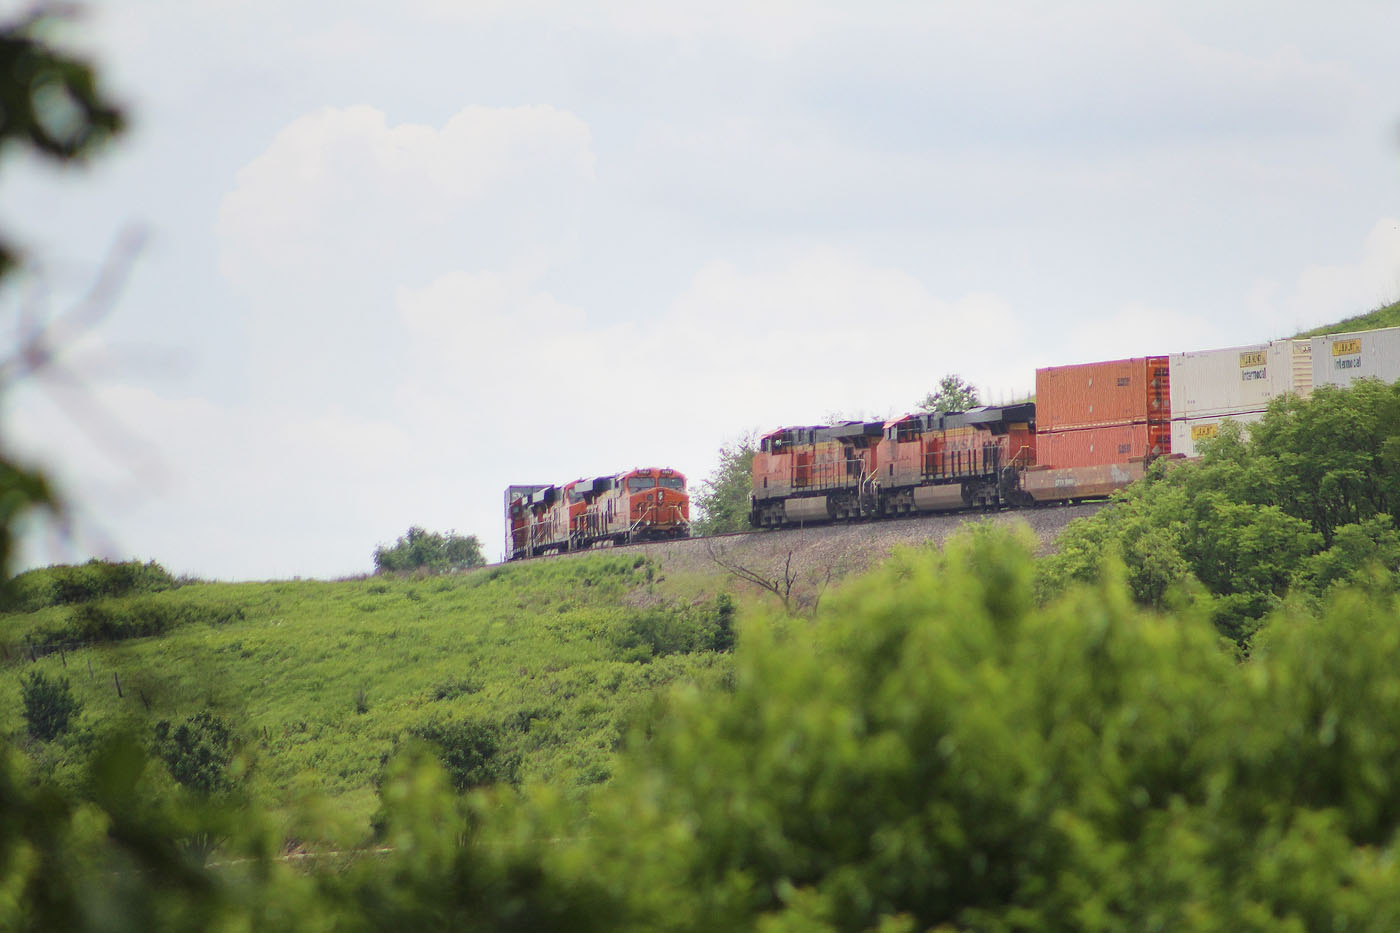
x,y
1097,414
1236,383
1341,359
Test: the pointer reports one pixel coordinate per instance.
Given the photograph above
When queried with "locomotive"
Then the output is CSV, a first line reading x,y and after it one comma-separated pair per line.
x,y
925,461
649,504
1100,424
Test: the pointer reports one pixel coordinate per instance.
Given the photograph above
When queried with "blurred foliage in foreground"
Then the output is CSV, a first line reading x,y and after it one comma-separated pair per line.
x,y
936,748
1307,502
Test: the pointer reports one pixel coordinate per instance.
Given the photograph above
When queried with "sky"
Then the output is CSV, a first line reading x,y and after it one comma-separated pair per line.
x,y
396,257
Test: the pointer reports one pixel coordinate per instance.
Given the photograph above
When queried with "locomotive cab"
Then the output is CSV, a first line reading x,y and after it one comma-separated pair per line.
x,y
654,504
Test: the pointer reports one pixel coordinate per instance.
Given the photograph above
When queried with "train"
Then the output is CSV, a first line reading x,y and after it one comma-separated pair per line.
x,y
1089,430
645,504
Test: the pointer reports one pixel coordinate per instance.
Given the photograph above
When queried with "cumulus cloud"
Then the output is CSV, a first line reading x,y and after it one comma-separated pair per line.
x,y
816,331
344,189
1327,292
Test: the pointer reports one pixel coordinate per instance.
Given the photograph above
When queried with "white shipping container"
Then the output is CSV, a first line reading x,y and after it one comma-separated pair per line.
x,y
1186,432
1341,359
1217,382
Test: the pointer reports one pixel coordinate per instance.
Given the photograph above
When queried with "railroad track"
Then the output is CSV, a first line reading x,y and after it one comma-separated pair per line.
x,y
863,536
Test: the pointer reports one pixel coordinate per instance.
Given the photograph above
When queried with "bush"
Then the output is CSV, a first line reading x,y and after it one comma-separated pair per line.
x,y
420,549
111,620
936,752
198,752
49,705
471,752
653,633
66,585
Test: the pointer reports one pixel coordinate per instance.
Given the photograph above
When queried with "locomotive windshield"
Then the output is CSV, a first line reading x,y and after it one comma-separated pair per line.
x,y
640,482
672,482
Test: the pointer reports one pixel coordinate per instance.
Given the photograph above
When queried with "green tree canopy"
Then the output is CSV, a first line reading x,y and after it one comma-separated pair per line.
x,y
954,393
420,549
722,501
1302,501
936,751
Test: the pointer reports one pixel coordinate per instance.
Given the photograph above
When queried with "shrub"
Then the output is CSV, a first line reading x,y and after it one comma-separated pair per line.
x,y
198,752
471,752
49,705
653,633
457,686
936,752
420,549
110,620
65,585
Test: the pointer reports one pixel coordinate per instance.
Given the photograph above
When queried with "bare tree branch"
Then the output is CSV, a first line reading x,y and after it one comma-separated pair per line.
x,y
41,343
779,583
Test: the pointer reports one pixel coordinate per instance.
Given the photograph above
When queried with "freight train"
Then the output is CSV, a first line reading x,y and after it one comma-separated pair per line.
x,y
648,504
1092,429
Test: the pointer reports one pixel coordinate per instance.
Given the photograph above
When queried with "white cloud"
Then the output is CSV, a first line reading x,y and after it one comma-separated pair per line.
x,y
342,188
1325,293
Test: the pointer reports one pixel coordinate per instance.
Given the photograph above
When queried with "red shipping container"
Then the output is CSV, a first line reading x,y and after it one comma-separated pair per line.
x,y
1113,393
1100,446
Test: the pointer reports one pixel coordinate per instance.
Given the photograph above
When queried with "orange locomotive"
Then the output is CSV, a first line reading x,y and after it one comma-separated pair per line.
x,y
920,462
642,505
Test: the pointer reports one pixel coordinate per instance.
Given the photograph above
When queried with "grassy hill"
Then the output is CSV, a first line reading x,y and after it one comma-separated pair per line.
x,y
1387,316
323,680
555,658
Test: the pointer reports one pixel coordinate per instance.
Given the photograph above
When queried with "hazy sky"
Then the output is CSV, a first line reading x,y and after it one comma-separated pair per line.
x,y
399,256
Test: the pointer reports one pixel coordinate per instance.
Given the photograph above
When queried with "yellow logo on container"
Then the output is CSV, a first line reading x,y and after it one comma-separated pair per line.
x,y
1346,347
1252,358
1199,431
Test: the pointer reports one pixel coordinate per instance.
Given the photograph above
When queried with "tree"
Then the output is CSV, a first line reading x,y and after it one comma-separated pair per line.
x,y
1302,502
49,705
722,502
471,752
420,549
934,751
198,752
953,394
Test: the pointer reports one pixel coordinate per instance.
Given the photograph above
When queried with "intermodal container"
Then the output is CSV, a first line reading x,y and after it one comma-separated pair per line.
x,y
1217,382
1188,432
1097,394
1341,359
1098,446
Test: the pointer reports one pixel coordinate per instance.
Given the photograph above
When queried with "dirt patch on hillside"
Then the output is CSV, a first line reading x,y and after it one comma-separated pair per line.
x,y
815,556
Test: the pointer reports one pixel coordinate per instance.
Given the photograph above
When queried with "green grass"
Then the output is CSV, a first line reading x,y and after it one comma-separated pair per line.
x,y
323,680
1387,316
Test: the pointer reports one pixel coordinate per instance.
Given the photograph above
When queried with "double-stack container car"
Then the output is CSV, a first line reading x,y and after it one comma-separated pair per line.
x,y
1235,383
1097,426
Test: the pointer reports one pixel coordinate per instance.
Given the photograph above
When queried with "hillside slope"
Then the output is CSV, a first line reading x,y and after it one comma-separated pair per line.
x,y
324,680
1386,316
